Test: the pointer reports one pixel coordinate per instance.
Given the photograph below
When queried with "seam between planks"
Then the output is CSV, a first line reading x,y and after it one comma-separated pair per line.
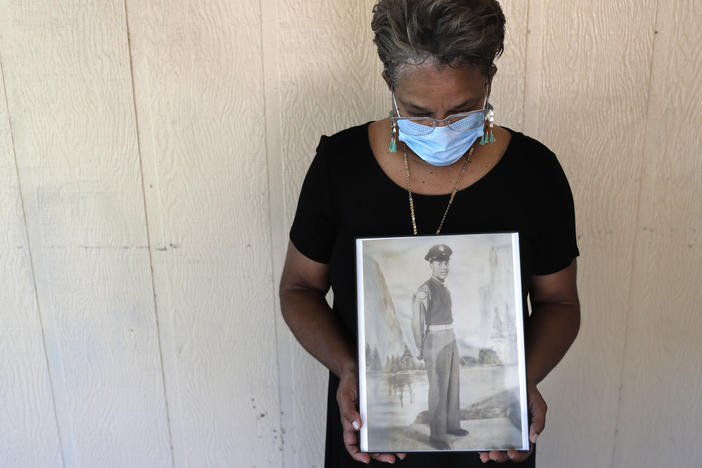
x,y
532,73
148,235
276,210
526,62
627,318
31,265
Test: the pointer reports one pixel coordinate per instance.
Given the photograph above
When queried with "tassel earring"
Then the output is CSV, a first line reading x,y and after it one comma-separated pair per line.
x,y
489,136
393,136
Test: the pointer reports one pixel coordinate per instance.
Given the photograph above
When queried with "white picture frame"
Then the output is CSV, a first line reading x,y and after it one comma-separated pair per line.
x,y
399,281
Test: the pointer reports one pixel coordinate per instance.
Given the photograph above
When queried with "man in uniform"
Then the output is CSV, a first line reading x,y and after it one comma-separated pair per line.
x,y
432,327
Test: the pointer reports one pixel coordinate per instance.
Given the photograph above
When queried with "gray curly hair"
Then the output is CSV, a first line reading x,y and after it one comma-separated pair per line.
x,y
456,33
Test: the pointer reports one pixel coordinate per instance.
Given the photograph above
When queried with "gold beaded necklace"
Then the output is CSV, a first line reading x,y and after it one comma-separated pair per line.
x,y
453,194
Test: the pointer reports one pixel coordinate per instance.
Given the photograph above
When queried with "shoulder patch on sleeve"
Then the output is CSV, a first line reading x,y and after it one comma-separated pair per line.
x,y
421,295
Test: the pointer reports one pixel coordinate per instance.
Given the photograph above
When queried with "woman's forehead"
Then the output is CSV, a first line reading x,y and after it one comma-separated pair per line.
x,y
431,85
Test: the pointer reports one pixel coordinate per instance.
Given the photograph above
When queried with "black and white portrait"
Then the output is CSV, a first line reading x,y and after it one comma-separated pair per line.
x,y
440,343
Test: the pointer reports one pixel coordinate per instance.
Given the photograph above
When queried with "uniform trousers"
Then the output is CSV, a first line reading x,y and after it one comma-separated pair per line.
x,y
442,364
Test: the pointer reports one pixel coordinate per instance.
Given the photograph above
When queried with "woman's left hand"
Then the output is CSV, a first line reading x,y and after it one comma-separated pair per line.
x,y
537,414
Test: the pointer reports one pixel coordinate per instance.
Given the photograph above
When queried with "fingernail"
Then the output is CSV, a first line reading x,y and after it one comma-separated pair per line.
x,y
356,425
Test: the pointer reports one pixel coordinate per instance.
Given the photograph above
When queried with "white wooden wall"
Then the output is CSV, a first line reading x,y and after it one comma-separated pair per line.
x,y
151,155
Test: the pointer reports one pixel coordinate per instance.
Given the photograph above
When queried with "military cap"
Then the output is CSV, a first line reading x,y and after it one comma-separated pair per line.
x,y
439,252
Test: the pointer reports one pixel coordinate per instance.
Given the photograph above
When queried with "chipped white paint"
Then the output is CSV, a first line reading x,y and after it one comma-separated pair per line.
x,y
156,150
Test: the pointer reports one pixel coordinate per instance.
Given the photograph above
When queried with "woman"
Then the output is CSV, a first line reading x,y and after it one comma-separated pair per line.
x,y
427,170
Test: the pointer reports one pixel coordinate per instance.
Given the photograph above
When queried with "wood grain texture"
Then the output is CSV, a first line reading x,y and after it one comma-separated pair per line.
x,y
661,396
27,420
588,68
278,231
69,96
329,79
200,104
509,83
231,98
329,73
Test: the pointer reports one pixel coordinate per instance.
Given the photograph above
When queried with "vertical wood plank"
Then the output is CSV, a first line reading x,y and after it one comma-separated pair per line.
x,y
27,419
661,397
337,86
588,68
509,83
67,74
200,106
289,427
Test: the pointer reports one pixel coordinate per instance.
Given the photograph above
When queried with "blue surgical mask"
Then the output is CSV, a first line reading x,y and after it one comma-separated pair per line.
x,y
442,147
445,144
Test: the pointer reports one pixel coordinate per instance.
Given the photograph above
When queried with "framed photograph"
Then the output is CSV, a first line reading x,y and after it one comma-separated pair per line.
x,y
441,343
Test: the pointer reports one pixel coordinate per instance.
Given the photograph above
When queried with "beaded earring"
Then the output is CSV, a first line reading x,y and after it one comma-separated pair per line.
x,y
393,136
489,136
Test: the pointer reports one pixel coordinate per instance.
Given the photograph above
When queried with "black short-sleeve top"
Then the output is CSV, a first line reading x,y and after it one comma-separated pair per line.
x,y
346,195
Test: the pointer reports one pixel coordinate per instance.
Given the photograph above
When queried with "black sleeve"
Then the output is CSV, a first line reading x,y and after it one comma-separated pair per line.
x,y
313,230
554,245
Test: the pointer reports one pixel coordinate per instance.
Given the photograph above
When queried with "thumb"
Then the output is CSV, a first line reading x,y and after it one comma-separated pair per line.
x,y
538,418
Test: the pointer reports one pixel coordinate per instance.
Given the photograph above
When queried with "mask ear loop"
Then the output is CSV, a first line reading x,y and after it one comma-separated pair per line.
x,y
393,135
491,121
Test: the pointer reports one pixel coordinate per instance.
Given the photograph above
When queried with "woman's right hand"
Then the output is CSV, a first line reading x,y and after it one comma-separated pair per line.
x,y
347,398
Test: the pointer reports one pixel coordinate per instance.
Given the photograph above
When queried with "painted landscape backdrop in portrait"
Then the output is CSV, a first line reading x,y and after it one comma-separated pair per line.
x,y
485,293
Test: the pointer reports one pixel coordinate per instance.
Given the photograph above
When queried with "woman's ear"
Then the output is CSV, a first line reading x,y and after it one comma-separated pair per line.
x,y
386,78
488,80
